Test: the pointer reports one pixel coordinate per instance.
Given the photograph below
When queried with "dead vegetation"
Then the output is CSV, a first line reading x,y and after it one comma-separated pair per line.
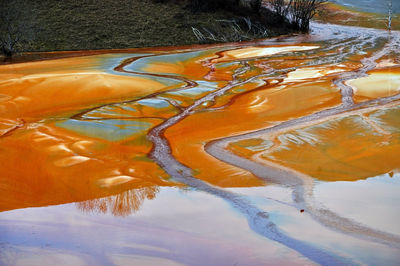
x,y
234,30
298,12
88,24
15,30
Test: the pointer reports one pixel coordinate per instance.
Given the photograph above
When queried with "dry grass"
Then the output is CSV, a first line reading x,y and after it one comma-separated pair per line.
x,y
109,24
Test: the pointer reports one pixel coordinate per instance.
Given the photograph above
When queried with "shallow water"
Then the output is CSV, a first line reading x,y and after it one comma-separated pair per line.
x,y
282,151
375,6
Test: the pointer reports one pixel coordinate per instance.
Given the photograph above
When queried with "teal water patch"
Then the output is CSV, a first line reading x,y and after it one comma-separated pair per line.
x,y
113,130
156,103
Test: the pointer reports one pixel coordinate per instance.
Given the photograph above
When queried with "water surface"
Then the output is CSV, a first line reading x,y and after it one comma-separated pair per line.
x,y
281,151
375,6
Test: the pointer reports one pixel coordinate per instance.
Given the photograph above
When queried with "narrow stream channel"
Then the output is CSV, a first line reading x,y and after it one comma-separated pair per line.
x,y
220,155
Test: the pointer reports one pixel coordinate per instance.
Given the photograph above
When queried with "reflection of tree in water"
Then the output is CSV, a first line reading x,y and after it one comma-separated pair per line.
x,y
122,204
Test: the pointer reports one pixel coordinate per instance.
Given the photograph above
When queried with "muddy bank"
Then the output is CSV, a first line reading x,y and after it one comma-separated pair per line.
x,y
86,25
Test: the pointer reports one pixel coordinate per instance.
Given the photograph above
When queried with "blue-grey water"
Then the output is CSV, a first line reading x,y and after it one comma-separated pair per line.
x,y
376,6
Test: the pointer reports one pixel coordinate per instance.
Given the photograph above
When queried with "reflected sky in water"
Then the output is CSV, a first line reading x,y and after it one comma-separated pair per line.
x,y
88,236
56,233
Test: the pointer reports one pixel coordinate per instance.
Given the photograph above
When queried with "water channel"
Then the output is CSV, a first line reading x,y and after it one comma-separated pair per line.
x,y
277,151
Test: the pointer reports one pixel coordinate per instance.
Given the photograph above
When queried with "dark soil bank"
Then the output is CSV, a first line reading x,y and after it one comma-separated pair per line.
x,y
52,25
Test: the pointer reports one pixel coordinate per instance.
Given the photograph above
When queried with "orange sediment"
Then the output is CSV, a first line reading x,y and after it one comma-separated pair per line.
x,y
37,95
250,111
344,149
48,165
82,129
379,83
43,164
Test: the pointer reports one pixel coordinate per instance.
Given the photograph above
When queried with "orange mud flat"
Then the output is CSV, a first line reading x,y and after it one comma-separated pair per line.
x,y
81,123
237,149
43,164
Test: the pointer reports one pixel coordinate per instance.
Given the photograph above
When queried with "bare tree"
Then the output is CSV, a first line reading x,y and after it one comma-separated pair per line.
x,y
279,7
302,11
14,28
390,15
299,12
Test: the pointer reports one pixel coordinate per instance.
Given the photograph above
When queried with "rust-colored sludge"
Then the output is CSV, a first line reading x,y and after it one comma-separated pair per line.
x,y
73,129
77,129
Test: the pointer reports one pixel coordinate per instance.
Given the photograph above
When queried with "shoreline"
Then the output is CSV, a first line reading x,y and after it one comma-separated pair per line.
x,y
330,14
35,56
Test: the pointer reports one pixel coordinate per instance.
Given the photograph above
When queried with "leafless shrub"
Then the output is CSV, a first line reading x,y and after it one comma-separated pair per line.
x,y
279,7
14,27
231,31
299,12
302,11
